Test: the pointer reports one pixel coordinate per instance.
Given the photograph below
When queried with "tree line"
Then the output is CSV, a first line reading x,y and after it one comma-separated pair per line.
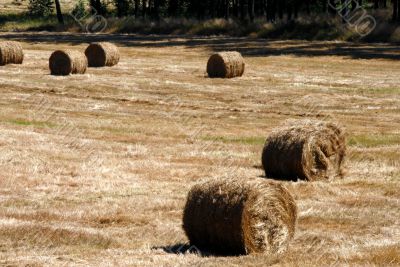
x,y
244,10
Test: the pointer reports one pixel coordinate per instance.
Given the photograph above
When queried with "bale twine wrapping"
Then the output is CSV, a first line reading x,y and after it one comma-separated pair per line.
x,y
11,53
102,54
306,150
240,216
65,62
225,65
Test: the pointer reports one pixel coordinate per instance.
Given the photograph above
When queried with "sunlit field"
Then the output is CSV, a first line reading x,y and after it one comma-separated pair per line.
x,y
95,168
17,6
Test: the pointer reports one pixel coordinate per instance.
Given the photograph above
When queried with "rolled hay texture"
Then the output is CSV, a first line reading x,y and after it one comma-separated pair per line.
x,y
225,65
11,53
102,54
240,216
65,62
306,150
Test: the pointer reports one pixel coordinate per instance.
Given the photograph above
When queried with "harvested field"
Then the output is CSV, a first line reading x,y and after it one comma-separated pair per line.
x,y
96,167
16,6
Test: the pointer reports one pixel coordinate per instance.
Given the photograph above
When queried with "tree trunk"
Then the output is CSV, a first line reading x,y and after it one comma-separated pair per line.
x,y
235,8
144,8
344,10
136,8
99,8
173,8
398,9
251,10
289,12
226,8
324,6
331,8
243,9
271,10
280,9
296,9
92,4
59,13
156,9
308,8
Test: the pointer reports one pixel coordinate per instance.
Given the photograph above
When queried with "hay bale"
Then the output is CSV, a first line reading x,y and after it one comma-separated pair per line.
x,y
102,54
240,216
11,53
65,62
225,65
306,150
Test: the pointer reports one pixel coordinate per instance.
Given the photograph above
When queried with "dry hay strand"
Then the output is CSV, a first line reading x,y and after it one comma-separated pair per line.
x,y
102,54
240,216
11,53
65,62
307,150
225,65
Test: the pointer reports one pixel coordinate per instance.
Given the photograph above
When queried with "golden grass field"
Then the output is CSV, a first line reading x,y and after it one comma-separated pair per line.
x,y
17,6
95,168
7,6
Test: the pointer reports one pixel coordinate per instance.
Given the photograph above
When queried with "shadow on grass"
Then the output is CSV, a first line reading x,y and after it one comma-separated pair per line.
x,y
180,248
184,249
247,46
251,259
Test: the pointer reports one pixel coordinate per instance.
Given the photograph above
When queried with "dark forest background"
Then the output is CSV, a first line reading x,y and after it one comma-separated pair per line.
x,y
283,19
245,10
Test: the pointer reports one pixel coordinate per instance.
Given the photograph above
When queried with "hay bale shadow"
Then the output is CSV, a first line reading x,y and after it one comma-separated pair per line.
x,y
180,248
186,249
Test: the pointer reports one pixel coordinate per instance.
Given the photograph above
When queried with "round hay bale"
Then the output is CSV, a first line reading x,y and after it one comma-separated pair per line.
x,y
11,53
240,216
306,150
65,62
102,54
225,65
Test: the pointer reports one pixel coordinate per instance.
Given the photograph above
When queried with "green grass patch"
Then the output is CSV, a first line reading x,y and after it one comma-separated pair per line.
x,y
25,22
375,140
40,124
239,140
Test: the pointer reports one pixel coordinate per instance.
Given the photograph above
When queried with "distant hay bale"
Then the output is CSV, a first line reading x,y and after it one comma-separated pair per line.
x,y
65,62
306,150
102,54
225,65
11,53
240,216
